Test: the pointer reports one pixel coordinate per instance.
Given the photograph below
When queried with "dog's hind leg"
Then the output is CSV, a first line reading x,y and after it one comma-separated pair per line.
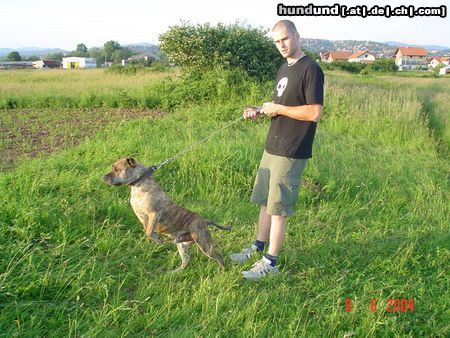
x,y
183,250
204,241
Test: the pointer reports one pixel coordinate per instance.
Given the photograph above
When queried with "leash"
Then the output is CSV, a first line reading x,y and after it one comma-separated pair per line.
x,y
192,146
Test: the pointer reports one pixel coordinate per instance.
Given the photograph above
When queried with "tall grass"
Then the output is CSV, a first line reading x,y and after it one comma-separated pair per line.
x,y
371,222
80,88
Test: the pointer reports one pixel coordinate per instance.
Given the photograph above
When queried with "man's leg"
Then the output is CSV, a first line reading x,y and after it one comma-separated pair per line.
x,y
261,238
264,225
277,231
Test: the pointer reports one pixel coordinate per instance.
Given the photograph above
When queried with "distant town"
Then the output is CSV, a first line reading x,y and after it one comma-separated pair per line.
x,y
407,58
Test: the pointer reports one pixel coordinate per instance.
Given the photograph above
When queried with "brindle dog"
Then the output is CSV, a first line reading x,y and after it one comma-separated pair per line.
x,y
159,214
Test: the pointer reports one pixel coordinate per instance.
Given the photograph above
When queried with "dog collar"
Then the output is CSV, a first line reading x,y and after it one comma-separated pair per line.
x,y
147,173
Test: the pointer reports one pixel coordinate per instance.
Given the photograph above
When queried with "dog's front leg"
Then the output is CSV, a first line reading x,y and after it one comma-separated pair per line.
x,y
150,228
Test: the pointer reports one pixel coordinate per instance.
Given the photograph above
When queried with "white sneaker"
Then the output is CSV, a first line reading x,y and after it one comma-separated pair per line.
x,y
244,255
260,270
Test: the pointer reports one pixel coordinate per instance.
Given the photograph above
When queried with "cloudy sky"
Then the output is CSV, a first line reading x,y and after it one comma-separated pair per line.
x,y
64,24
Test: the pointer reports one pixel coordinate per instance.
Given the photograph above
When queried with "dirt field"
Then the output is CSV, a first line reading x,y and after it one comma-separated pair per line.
x,y
32,133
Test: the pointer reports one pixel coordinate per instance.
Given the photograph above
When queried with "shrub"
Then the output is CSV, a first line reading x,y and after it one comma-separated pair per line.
x,y
213,85
202,47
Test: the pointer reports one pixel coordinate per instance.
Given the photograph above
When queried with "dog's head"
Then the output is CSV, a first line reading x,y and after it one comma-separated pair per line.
x,y
125,171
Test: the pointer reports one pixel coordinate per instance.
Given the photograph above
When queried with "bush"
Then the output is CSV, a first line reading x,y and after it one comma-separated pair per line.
x,y
385,65
202,47
214,85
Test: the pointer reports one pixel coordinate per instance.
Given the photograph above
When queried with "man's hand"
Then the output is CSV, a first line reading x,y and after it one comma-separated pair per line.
x,y
270,109
251,113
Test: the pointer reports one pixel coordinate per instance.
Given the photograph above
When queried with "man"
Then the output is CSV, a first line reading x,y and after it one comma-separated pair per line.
x,y
295,111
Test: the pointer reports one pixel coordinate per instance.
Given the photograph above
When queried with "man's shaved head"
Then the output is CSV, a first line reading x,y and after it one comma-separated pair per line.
x,y
289,25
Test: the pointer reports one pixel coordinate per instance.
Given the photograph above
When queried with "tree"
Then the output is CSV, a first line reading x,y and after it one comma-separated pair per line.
x,y
384,65
312,55
109,47
32,58
55,56
14,56
202,47
81,50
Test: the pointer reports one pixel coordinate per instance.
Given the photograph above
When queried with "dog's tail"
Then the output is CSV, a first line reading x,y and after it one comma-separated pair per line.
x,y
223,227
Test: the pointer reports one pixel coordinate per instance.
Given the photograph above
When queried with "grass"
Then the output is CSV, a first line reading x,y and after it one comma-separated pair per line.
x,y
76,88
371,222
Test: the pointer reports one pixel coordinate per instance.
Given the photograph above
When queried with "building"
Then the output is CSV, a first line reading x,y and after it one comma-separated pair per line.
x,y
324,56
410,58
335,55
46,64
76,62
362,56
16,64
439,61
444,70
139,60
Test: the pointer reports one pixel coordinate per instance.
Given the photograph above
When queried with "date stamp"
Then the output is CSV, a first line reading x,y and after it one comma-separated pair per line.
x,y
393,305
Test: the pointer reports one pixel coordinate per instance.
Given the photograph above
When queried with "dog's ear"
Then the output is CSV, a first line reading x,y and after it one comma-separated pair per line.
x,y
131,162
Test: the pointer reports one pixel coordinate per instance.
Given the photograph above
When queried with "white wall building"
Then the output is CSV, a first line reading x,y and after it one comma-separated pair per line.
x,y
444,70
76,62
410,58
362,56
439,61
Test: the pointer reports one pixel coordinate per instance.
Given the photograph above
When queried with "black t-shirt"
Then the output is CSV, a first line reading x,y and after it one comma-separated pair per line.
x,y
295,85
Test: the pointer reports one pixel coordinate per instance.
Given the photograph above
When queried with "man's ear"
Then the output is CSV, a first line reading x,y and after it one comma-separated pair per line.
x,y
131,162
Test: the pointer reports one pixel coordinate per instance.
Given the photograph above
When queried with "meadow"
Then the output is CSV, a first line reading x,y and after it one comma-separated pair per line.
x,y
371,223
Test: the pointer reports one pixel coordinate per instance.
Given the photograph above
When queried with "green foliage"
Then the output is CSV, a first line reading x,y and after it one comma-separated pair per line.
x,y
14,56
383,65
201,47
351,67
81,50
311,55
159,66
32,58
55,56
109,48
126,70
213,85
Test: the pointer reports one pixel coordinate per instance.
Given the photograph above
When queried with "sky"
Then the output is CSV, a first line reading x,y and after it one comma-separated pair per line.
x,y
64,24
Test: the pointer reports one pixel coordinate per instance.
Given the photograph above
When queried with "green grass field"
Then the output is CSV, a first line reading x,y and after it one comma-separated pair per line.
x,y
372,221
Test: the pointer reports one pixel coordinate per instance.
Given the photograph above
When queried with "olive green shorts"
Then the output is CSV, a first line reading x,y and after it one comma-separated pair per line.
x,y
277,183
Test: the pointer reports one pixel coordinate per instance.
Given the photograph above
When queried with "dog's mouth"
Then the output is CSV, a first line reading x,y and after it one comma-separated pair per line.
x,y
109,181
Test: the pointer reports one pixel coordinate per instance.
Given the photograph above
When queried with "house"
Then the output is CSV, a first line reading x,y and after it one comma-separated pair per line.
x,y
337,56
409,58
16,65
46,64
107,64
139,59
324,56
439,61
444,70
76,62
362,56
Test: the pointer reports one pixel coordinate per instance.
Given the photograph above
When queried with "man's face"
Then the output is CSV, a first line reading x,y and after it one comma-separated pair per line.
x,y
286,42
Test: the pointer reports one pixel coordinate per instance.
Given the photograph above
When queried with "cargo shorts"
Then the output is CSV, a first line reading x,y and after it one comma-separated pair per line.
x,y
277,183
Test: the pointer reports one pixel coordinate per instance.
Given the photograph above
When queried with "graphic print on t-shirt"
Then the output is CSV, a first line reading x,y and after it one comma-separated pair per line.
x,y
281,86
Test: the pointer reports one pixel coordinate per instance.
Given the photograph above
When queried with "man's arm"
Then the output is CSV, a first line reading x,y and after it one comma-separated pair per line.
x,y
309,112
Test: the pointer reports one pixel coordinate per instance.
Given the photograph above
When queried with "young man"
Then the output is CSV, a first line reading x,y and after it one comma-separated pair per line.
x,y
295,111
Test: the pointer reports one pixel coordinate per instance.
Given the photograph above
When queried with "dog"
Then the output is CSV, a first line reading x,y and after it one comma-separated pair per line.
x,y
160,215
